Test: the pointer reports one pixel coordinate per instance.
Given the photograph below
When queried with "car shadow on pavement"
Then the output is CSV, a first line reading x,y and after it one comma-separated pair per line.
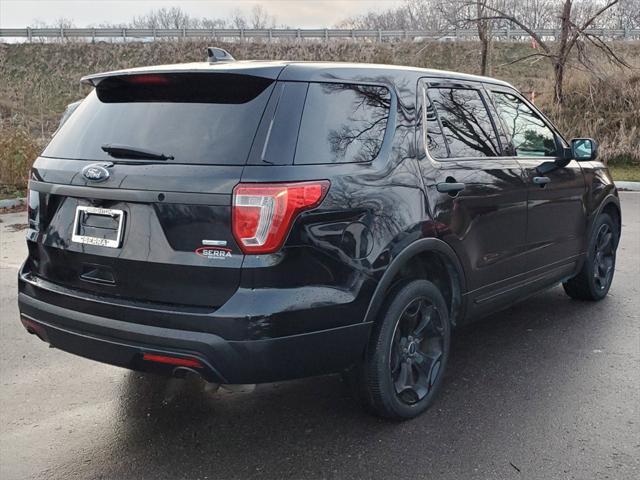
x,y
503,370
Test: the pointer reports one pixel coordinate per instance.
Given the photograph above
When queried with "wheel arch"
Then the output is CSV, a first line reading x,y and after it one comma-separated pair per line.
x,y
611,206
430,259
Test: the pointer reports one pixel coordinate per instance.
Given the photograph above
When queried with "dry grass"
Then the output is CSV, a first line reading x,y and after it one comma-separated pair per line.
x,y
18,149
628,172
607,109
37,81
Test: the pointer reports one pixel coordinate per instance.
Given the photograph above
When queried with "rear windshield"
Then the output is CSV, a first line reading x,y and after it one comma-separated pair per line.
x,y
199,118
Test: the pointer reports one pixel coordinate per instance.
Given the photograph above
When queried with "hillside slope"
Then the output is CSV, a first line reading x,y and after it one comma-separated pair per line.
x,y
38,80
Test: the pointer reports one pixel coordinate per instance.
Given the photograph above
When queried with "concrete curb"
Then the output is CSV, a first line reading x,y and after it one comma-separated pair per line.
x,y
12,202
631,186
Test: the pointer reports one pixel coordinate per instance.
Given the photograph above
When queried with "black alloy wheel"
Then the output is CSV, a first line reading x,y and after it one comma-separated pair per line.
x,y
405,362
416,350
596,275
604,257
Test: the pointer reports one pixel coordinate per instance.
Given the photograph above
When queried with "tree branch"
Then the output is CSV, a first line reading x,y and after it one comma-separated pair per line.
x,y
587,23
546,55
599,43
500,15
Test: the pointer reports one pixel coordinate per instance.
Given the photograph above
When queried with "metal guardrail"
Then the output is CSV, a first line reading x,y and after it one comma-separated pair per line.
x,y
227,34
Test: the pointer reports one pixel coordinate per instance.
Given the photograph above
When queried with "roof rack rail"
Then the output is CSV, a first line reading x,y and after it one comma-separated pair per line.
x,y
216,54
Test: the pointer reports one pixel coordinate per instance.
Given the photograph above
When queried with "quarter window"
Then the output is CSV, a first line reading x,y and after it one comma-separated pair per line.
x,y
342,123
464,122
530,136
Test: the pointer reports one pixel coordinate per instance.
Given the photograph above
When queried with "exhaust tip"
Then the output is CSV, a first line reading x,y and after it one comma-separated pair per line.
x,y
183,372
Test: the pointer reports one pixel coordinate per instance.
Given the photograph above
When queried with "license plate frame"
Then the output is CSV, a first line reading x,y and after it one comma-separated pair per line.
x,y
100,242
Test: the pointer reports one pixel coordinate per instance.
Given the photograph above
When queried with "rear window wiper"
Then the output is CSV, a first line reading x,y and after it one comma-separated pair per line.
x,y
134,153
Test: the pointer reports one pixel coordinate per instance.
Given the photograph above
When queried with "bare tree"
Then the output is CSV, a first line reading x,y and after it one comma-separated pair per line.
x,y
173,17
535,13
412,15
60,23
572,32
625,14
260,18
213,23
484,34
443,15
238,19
469,14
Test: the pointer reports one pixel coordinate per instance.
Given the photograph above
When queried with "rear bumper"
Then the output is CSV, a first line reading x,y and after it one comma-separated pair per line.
x,y
124,343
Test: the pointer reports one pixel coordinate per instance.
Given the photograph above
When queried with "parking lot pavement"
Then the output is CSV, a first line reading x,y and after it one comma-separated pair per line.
x,y
548,389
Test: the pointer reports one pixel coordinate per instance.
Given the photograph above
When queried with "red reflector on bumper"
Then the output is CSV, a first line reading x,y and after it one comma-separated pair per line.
x,y
35,329
181,362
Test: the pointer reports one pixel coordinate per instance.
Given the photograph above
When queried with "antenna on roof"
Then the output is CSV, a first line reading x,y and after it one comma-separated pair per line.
x,y
216,54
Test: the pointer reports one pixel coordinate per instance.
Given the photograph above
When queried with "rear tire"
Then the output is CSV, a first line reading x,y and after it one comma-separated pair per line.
x,y
407,355
595,277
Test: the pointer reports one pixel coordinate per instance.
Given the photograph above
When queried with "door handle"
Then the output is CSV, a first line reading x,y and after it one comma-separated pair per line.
x,y
450,187
542,181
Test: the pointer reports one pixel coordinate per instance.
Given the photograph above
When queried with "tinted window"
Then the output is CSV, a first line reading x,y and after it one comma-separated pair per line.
x,y
198,118
530,135
342,123
465,121
433,137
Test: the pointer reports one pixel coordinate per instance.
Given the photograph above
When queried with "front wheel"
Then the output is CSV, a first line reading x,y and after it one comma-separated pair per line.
x,y
595,277
404,365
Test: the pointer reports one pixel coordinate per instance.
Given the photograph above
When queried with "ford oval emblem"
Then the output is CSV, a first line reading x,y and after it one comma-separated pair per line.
x,y
96,172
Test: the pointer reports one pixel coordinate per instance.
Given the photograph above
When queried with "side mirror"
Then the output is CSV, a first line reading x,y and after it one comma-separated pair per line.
x,y
584,149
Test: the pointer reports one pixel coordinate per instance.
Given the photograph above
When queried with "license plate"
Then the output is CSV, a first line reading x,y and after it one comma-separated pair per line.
x,y
98,226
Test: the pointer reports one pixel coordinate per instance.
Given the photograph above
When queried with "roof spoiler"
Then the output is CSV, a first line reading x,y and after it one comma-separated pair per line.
x,y
216,54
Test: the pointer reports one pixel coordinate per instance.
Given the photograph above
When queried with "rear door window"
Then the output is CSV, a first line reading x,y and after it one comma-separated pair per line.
x,y
464,122
342,123
198,118
530,135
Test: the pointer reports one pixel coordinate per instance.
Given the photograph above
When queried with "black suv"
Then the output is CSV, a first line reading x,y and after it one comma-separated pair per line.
x,y
260,221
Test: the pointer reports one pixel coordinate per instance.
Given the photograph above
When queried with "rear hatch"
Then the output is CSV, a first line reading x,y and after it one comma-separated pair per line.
x,y
132,197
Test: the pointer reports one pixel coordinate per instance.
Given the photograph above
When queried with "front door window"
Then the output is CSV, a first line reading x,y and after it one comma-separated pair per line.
x,y
530,136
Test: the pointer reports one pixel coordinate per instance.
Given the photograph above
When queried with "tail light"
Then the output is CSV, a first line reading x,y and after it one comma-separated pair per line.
x,y
148,79
264,212
33,209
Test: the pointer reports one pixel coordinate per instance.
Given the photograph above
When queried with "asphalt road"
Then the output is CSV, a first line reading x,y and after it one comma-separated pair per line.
x,y
549,389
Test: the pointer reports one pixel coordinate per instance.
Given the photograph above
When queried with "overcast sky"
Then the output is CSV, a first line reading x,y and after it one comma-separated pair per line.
x,y
295,13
